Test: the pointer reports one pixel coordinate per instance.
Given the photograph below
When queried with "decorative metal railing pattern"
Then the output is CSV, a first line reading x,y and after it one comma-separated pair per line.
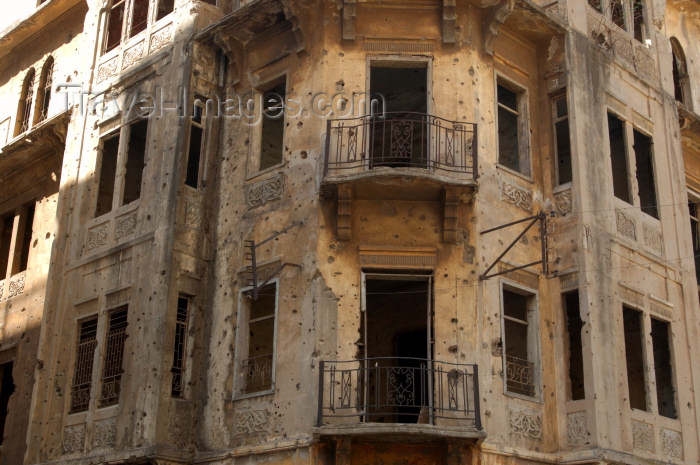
x,y
409,140
398,390
84,358
520,376
114,356
257,374
178,369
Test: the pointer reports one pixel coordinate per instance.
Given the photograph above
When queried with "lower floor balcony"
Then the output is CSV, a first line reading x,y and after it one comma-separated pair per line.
x,y
399,395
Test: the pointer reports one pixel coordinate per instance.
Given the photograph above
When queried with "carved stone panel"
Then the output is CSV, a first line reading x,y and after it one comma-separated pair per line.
x,y
671,443
74,439
107,69
251,421
625,226
133,55
125,225
16,286
265,191
525,424
643,436
160,39
97,236
178,429
193,214
577,428
653,239
562,202
516,195
105,433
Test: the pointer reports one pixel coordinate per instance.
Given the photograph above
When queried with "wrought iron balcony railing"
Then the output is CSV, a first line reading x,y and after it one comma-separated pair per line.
x,y
257,373
520,376
398,390
402,140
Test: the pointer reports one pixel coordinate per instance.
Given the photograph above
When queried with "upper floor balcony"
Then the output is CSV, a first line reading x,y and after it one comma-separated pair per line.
x,y
414,153
400,156
399,395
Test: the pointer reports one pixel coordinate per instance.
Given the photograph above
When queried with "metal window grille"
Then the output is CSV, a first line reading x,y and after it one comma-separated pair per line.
x,y
178,369
520,376
84,358
28,96
113,358
47,82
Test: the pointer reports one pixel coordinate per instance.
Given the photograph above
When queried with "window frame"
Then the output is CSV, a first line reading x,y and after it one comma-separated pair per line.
x,y
126,33
186,347
523,117
16,247
123,132
534,343
242,321
643,332
558,119
25,108
672,363
628,25
201,102
259,93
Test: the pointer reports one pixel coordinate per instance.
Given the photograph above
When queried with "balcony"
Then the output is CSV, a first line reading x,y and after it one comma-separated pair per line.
x,y
399,156
399,395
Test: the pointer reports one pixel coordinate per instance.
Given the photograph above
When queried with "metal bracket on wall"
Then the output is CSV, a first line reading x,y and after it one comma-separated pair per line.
x,y
251,256
540,218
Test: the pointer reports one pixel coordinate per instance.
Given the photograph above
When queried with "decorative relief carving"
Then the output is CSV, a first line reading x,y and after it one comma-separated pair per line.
x,y
643,436
105,433
193,214
644,62
178,429
265,191
625,226
126,225
631,296
671,443
653,239
524,424
74,439
133,55
577,428
16,287
160,39
516,195
97,236
118,297
107,69
251,421
562,202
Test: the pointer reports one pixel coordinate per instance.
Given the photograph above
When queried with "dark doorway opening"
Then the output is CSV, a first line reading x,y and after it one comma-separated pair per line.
x,y
399,118
397,340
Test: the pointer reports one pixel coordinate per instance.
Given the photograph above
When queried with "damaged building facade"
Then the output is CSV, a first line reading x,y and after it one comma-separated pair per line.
x,y
349,232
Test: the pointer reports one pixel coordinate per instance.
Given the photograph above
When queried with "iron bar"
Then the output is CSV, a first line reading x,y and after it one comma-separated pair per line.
x,y
400,390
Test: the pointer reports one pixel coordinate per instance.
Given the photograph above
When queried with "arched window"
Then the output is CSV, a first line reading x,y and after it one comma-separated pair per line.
x,y
44,96
680,73
25,104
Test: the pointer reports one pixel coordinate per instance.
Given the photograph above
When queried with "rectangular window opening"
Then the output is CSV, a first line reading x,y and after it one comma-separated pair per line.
x,y
256,367
638,20
194,156
135,161
6,390
165,7
663,368
272,132
26,238
562,139
108,172
618,157
695,234
139,16
645,174
180,346
617,11
115,22
518,344
113,357
574,326
634,355
7,226
84,359
512,137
